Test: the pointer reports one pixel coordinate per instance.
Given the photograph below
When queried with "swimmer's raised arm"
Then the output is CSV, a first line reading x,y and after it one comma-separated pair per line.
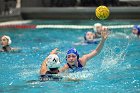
x,y
44,63
43,68
86,57
54,51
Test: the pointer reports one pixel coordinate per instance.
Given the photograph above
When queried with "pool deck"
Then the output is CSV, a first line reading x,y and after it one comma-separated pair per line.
x,y
32,13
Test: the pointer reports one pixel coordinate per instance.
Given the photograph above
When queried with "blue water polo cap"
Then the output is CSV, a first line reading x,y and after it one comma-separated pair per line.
x,y
73,51
137,27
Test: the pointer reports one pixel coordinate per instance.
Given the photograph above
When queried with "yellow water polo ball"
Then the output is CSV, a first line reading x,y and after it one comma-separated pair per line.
x,y
102,12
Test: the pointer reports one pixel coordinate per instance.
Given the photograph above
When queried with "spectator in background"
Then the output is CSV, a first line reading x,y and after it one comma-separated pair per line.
x,y
90,2
59,3
111,2
18,3
115,2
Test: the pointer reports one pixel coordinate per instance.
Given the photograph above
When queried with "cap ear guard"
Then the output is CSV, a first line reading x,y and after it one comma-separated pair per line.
x,y
138,29
9,41
85,37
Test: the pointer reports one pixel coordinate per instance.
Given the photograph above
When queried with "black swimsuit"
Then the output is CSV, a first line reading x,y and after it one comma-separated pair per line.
x,y
76,68
6,48
92,42
50,75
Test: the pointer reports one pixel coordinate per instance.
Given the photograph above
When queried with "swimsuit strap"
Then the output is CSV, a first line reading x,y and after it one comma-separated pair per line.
x,y
69,66
6,48
79,64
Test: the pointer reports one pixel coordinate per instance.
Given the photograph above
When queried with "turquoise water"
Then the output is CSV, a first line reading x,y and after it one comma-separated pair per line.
x,y
115,70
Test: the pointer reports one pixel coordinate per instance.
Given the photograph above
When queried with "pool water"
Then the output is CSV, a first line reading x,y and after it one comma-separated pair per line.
x,y
115,70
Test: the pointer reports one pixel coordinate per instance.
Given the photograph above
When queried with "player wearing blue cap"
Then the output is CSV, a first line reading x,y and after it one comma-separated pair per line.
x,y
74,62
72,56
136,30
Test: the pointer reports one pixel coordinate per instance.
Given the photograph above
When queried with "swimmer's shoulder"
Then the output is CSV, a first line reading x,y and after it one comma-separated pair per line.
x,y
64,68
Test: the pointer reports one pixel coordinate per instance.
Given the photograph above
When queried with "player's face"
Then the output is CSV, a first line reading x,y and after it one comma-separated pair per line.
x,y
71,59
89,36
99,28
4,41
135,31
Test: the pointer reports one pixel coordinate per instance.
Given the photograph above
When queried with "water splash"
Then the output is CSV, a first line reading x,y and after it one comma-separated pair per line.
x,y
116,54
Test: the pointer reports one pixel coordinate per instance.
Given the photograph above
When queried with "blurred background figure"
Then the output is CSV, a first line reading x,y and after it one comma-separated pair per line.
x,y
97,30
8,7
5,43
59,3
136,30
89,37
110,2
18,4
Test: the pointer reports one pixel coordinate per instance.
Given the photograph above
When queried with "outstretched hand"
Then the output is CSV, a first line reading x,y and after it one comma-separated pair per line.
x,y
54,51
104,33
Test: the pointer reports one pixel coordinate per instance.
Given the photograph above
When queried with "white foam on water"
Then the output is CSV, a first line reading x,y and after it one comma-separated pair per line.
x,y
112,58
81,75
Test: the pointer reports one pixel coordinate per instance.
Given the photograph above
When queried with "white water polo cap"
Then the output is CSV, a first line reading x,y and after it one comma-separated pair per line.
x,y
8,38
96,25
53,61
